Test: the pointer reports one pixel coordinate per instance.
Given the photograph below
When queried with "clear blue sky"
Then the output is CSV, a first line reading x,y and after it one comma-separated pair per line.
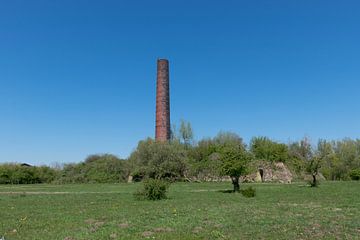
x,y
78,77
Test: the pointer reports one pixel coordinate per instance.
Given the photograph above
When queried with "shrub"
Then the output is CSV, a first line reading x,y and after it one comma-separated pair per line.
x,y
158,160
11,173
355,174
248,192
104,168
153,189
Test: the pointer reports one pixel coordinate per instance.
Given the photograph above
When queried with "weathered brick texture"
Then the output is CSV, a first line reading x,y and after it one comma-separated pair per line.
x,y
162,124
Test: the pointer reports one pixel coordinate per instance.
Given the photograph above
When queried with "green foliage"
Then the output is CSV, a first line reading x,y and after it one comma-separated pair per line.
x,y
224,155
355,174
204,160
347,154
207,160
301,150
235,159
18,174
105,168
234,156
265,149
312,160
164,160
248,192
323,152
153,189
186,132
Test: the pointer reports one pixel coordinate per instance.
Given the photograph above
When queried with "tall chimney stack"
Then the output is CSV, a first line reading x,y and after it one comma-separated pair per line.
x,y
162,124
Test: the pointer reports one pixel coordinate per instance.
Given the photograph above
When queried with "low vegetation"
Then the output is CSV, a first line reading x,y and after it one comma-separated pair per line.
x,y
105,168
210,159
248,192
152,189
11,173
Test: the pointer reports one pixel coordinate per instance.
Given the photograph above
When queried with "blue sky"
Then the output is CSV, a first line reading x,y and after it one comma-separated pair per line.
x,y
78,77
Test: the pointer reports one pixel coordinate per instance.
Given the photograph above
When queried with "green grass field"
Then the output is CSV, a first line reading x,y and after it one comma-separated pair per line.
x,y
192,211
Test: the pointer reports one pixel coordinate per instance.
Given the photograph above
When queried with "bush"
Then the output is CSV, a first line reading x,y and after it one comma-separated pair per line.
x,y
355,174
154,189
158,160
248,192
105,168
11,173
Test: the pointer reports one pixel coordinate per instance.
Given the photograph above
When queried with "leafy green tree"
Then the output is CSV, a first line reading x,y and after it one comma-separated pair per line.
x,y
235,160
204,160
267,150
73,173
312,160
160,160
314,163
105,168
347,152
46,174
300,153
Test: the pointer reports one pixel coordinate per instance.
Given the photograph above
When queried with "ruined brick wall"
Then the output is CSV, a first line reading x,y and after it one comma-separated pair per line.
x,y
162,125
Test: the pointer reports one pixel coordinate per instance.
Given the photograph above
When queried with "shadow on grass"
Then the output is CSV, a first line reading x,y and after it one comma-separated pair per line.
x,y
226,191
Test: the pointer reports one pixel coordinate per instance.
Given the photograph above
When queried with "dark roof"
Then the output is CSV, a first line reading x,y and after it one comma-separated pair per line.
x,y
25,165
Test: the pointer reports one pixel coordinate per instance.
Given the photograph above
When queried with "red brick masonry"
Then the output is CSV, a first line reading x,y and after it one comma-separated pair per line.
x,y
162,124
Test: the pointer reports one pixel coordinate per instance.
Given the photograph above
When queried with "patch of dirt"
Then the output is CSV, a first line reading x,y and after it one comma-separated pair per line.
x,y
316,225
69,238
113,235
99,224
95,225
123,225
147,234
161,229
197,229
212,223
218,225
90,221
337,209
208,222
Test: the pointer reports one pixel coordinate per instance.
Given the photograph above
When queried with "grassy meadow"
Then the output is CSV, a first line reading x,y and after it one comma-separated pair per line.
x,y
192,211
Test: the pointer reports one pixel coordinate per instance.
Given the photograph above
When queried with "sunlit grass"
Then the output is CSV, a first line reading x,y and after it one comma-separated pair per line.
x,y
192,211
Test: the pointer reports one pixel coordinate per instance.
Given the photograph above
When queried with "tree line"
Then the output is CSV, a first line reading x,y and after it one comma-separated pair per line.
x,y
183,159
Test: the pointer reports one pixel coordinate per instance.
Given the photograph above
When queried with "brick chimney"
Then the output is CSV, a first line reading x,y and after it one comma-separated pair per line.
x,y
162,124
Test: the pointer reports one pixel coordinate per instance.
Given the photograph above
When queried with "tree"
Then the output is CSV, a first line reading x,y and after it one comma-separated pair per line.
x,y
234,157
203,160
265,149
347,152
159,160
300,153
186,133
312,167
105,168
312,160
